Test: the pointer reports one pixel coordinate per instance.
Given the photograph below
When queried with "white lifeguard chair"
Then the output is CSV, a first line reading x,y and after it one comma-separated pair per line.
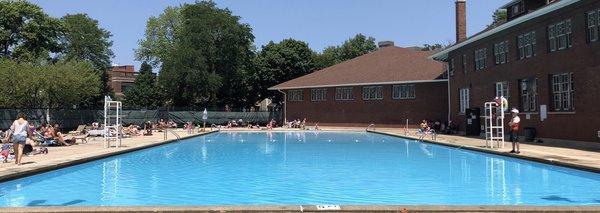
x,y
494,123
112,122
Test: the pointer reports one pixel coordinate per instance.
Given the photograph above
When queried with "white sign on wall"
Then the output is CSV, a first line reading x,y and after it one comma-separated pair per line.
x,y
543,112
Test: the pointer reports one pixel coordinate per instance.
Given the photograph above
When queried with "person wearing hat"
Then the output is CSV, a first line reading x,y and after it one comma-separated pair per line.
x,y
514,124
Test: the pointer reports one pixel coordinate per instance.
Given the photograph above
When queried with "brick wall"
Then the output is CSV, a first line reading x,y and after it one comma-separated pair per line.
x,y
582,59
430,103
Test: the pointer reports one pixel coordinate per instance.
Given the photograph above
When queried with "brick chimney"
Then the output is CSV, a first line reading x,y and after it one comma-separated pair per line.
x,y
461,20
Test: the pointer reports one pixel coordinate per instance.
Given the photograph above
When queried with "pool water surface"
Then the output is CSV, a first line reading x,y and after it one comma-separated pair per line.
x,y
241,168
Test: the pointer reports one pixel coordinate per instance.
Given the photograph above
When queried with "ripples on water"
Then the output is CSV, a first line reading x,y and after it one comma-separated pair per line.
x,y
304,168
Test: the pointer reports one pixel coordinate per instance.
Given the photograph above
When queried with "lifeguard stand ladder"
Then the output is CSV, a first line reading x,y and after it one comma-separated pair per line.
x,y
112,122
494,124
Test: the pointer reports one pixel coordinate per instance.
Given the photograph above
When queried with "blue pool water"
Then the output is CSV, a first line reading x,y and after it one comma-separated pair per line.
x,y
304,168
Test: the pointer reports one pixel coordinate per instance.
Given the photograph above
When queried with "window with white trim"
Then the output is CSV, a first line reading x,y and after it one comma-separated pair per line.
x,y
451,67
464,63
373,93
529,96
295,95
344,93
464,100
501,52
318,94
593,25
559,36
480,59
502,89
562,92
403,91
526,45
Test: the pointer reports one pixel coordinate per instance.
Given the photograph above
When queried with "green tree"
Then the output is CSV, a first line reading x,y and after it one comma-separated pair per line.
x,y
144,92
63,84
499,17
26,32
208,59
85,40
159,38
280,62
351,48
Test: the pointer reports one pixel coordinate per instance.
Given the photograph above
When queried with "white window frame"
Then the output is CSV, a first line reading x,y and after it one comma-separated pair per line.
x,y
501,52
502,89
593,25
464,100
403,91
373,93
528,93
451,67
295,95
560,36
526,45
480,56
464,63
318,94
562,92
344,93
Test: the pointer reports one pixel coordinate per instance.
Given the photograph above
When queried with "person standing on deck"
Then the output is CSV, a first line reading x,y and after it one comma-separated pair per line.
x,y
20,132
514,124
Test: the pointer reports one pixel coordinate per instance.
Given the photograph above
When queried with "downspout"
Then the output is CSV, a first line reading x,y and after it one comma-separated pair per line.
x,y
284,106
449,99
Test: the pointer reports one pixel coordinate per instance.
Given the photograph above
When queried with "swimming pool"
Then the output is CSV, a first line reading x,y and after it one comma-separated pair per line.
x,y
239,168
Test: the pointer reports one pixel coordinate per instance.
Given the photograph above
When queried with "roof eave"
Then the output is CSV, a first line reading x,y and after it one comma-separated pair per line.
x,y
443,55
358,84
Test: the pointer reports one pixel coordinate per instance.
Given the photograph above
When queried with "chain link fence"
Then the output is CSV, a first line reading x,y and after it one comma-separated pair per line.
x,y
71,118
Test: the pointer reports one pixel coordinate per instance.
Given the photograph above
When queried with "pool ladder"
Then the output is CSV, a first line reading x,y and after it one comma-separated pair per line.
x,y
215,126
370,126
172,132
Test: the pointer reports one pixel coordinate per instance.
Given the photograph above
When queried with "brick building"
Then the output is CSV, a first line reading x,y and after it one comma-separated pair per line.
x,y
386,86
545,59
121,78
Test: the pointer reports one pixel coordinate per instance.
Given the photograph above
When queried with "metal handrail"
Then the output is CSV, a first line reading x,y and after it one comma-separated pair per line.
x,y
215,126
172,132
370,125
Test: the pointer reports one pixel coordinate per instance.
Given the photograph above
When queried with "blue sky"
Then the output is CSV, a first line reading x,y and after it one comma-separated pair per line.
x,y
321,23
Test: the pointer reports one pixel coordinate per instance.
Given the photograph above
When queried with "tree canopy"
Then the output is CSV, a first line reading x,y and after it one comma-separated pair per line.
x,y
85,40
144,93
204,53
63,84
280,62
351,48
26,32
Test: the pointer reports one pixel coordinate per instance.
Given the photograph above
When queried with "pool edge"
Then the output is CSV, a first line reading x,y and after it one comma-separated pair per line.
x,y
60,165
309,208
505,154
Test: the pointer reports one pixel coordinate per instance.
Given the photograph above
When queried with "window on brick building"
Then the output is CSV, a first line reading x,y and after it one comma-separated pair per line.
x,y
529,96
318,94
501,52
559,36
464,100
480,59
344,93
562,91
593,25
502,89
526,44
451,67
295,95
373,93
464,63
403,91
